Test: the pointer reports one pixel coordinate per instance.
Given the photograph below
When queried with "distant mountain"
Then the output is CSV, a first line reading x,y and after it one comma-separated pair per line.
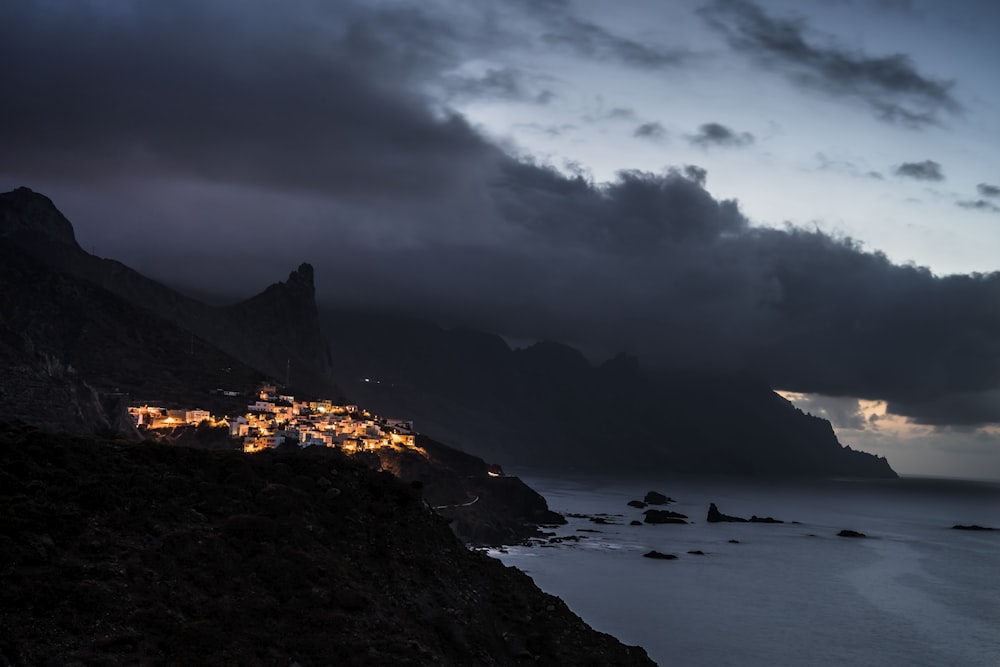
x,y
547,405
277,331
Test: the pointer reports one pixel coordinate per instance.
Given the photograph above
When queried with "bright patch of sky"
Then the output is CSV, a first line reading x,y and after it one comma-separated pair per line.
x,y
817,153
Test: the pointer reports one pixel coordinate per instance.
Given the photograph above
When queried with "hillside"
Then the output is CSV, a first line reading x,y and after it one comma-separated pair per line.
x,y
276,332
121,554
73,355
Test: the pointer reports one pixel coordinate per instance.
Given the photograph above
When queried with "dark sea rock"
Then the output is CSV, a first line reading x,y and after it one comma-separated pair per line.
x,y
850,533
664,516
734,541
636,503
659,556
764,519
715,516
973,526
697,552
657,498
635,523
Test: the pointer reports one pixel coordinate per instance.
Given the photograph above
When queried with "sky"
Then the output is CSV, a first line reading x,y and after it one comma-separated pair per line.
x,y
805,191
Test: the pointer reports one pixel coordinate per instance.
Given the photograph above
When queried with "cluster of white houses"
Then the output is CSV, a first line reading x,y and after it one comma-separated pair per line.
x,y
274,419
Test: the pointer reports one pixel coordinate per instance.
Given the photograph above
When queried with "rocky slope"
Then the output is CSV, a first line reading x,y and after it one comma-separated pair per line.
x,y
114,553
276,332
73,354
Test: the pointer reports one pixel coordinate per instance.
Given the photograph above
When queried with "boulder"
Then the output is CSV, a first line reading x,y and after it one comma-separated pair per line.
x,y
659,556
972,526
635,523
715,516
764,519
850,533
664,516
657,498
636,503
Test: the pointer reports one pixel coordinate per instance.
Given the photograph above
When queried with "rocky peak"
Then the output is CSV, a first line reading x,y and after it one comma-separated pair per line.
x,y
29,217
301,281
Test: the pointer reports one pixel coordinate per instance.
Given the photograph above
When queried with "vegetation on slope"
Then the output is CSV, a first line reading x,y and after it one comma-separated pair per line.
x,y
121,553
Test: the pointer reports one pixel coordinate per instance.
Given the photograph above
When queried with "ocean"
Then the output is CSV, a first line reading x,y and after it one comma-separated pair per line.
x,y
914,592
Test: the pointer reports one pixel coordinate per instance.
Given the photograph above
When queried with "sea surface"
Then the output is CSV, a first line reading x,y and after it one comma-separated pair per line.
x,y
914,592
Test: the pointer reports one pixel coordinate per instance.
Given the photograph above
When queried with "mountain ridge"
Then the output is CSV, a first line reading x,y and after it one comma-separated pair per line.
x,y
289,344
545,404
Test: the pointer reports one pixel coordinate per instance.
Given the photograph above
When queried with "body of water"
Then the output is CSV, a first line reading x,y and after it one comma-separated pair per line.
x,y
914,592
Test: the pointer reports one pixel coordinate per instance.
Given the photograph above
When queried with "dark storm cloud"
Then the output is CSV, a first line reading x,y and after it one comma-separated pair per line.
x,y
987,190
890,85
714,134
157,91
979,205
653,130
695,173
265,140
928,170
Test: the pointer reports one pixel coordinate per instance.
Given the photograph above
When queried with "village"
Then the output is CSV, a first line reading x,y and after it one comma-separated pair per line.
x,y
275,419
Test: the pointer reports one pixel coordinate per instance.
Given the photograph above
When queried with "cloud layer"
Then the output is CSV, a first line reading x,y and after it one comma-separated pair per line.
x,y
891,86
297,137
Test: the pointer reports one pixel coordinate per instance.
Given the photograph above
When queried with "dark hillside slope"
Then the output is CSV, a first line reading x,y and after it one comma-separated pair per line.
x,y
276,332
72,354
122,554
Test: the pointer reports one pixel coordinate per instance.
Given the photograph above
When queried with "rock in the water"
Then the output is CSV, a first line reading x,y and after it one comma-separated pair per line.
x,y
659,556
972,526
697,552
664,516
715,516
636,503
734,541
764,519
635,523
656,498
850,533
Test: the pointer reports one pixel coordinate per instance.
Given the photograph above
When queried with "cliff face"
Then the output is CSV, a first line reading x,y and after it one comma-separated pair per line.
x,y
277,332
546,405
121,554
73,354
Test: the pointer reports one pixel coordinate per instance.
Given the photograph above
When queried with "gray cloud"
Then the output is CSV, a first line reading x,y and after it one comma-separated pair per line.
x,y
979,205
928,170
714,134
564,29
827,163
653,130
287,141
506,83
891,85
695,173
987,190
621,113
